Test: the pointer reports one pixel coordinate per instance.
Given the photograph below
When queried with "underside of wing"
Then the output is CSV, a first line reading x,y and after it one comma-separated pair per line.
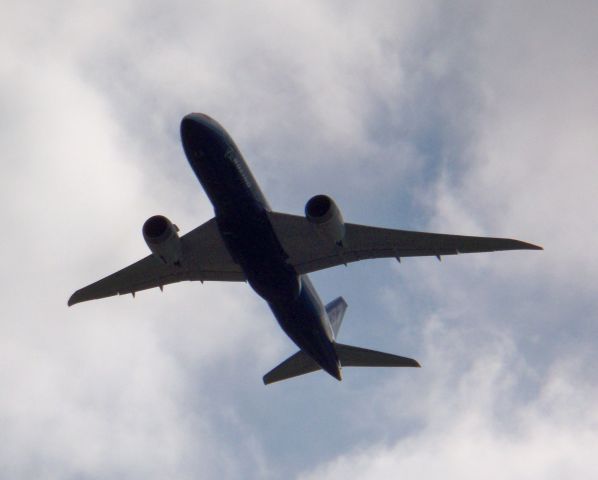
x,y
310,251
204,258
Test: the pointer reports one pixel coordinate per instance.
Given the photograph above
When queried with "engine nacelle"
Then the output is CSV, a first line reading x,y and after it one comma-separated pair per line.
x,y
163,240
322,212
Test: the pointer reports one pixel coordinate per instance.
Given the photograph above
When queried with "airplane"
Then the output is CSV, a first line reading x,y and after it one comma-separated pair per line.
x,y
274,252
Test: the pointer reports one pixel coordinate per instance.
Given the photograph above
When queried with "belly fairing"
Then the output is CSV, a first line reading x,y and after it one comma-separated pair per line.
x,y
253,244
274,286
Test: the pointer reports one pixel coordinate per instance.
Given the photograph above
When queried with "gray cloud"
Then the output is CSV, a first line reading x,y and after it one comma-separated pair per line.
x,y
469,119
507,339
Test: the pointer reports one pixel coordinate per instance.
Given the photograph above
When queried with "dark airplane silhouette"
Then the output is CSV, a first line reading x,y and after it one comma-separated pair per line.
x,y
274,252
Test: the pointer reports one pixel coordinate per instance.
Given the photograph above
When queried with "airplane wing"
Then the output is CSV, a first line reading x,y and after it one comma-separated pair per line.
x,y
309,251
205,257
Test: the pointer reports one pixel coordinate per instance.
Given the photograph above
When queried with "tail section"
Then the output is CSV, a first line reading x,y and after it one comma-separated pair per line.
x,y
301,363
336,311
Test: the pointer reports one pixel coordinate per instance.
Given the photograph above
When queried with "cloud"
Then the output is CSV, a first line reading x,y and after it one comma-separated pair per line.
x,y
506,339
103,389
469,119
546,439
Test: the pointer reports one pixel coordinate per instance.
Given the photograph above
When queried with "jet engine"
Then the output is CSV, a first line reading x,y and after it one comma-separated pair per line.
x,y
163,240
322,212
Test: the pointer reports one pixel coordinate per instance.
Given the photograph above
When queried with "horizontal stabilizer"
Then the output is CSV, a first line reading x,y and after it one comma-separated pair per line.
x,y
362,357
301,363
298,364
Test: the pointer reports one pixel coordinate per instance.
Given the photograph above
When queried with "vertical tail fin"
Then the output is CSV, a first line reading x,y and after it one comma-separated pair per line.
x,y
336,311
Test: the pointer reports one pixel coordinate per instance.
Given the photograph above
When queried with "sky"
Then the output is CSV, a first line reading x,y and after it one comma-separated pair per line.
x,y
460,117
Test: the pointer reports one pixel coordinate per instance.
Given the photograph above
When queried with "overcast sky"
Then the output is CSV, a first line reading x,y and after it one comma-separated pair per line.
x,y
461,117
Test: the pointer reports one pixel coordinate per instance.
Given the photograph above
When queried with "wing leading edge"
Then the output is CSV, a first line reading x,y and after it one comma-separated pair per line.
x,y
205,258
309,251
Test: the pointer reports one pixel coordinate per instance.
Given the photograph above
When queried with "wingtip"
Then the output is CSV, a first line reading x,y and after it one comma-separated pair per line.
x,y
73,300
527,246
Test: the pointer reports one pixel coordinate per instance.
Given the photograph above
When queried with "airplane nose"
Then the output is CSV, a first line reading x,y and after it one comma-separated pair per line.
x,y
204,140
196,128
195,135
193,122
200,125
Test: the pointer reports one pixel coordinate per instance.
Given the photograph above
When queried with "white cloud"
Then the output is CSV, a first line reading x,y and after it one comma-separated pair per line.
x,y
474,423
102,389
507,386
481,117
531,168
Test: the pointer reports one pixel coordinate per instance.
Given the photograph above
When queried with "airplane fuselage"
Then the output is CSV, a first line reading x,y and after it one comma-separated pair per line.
x,y
241,212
